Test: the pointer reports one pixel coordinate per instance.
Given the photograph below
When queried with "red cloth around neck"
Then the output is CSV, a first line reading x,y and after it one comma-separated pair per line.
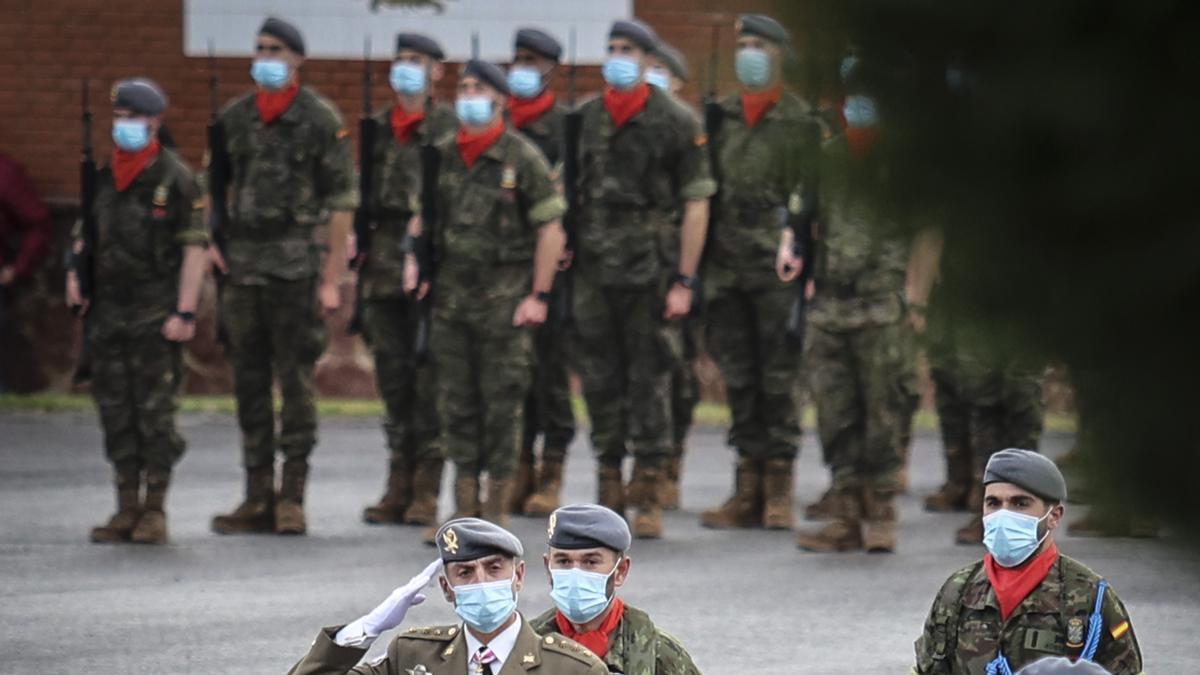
x,y
861,140
624,105
597,640
127,166
1014,584
756,104
472,145
404,123
271,104
522,111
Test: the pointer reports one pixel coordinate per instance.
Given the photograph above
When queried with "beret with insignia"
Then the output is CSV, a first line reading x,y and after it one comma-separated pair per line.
x,y
422,44
588,526
539,42
284,32
673,59
1029,470
465,539
636,31
763,26
489,73
140,95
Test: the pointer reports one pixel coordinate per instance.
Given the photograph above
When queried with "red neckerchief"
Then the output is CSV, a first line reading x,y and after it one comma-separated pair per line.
x,y
861,140
472,145
623,105
756,104
404,123
597,640
126,166
1013,585
271,104
522,111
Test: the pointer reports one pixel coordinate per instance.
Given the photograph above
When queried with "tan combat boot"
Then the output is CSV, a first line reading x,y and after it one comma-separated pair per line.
x,y
289,508
396,496
777,494
952,496
744,508
499,495
668,486
466,504
879,519
843,533
119,528
643,498
523,484
823,508
610,491
549,485
257,513
152,526
903,451
426,486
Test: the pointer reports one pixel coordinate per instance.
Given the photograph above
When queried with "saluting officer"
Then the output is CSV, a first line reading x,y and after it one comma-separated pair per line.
x,y
148,263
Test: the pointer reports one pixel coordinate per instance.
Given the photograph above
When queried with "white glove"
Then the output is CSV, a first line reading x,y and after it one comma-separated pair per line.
x,y
390,613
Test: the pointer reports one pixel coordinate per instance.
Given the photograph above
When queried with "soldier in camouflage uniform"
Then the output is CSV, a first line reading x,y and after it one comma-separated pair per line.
x,y
496,247
148,262
390,317
534,111
642,160
765,136
587,541
1024,601
291,171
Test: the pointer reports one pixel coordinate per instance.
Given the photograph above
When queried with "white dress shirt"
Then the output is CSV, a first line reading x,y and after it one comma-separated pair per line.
x,y
501,645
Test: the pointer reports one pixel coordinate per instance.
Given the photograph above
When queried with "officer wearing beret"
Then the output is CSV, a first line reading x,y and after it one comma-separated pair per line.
x,y
496,247
534,111
588,560
291,171
148,262
642,162
482,575
390,317
1024,601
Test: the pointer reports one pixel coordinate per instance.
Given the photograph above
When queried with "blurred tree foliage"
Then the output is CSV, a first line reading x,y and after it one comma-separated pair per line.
x,y
1055,144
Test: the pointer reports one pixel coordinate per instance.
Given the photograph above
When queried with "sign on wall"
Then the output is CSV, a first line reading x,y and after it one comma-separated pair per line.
x,y
337,28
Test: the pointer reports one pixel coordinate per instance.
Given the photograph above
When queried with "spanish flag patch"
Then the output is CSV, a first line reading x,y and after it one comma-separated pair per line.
x,y
342,133
702,140
1119,630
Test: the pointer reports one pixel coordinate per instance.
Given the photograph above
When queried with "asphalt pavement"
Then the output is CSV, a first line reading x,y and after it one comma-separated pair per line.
x,y
744,601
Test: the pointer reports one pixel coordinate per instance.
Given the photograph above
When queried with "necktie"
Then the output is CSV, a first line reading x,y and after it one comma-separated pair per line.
x,y
483,660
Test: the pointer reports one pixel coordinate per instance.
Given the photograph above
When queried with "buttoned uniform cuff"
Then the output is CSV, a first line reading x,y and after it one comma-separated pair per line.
x,y
698,189
354,634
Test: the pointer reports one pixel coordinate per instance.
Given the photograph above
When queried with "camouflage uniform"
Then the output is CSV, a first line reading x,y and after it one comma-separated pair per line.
x,y
748,306
390,317
631,181
964,631
287,177
636,646
484,247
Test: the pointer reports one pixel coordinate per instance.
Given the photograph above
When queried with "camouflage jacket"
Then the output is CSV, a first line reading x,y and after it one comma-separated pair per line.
x,y
489,217
861,260
395,196
140,236
762,172
963,632
546,132
637,647
631,183
287,177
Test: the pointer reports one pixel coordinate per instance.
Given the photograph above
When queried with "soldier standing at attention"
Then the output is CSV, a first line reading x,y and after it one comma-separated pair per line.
x,y
641,161
291,171
496,247
588,560
766,135
390,317
534,111
148,263
482,575
1024,601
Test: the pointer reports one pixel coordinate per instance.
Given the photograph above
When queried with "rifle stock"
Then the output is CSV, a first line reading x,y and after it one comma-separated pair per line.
x,y
426,253
364,215
572,128
83,259
219,175
714,117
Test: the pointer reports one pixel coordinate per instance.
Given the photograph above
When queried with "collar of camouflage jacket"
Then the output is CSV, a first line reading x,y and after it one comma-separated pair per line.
x,y
1045,598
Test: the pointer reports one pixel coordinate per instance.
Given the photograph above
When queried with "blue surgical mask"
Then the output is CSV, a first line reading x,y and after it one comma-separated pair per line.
x,y
621,72
581,596
270,73
131,135
753,67
485,606
524,82
407,78
859,111
659,78
474,111
1012,537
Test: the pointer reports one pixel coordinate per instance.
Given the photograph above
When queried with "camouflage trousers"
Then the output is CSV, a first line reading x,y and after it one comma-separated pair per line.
x,y
864,382
135,383
625,351
408,389
747,337
550,398
484,371
275,331
1003,407
685,391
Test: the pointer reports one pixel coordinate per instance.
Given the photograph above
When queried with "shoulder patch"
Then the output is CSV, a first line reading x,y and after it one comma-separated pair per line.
x,y
1119,630
433,633
342,133
701,140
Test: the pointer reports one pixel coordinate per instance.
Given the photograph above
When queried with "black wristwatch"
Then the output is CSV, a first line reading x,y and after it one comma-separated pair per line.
x,y
542,297
189,317
685,281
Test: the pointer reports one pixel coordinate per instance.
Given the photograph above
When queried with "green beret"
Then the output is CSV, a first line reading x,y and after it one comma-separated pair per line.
x,y
422,44
539,42
588,526
140,95
673,59
489,73
1029,470
764,27
466,539
636,31
284,32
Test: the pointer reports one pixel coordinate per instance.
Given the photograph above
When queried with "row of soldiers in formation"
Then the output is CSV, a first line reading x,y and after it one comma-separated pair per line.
x,y
643,190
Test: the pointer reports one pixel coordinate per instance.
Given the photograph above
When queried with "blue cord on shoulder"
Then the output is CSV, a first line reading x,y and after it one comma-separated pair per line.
x,y
1095,625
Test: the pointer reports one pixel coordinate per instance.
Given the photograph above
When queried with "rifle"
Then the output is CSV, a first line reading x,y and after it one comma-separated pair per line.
x,y
363,216
83,260
572,128
802,217
714,117
219,175
426,255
